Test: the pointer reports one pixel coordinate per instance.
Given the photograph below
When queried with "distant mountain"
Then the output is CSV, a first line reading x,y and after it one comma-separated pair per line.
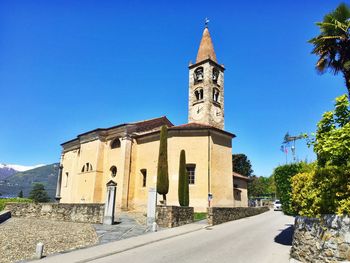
x,y
7,170
47,175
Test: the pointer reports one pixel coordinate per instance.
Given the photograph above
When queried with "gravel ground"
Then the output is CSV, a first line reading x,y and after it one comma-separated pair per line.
x,y
19,236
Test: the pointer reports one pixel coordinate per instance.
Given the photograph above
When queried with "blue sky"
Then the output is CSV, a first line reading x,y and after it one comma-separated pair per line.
x,y
67,67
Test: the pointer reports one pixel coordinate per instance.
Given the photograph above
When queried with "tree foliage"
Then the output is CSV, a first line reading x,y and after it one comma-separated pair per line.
x,y
332,141
183,188
332,45
260,186
162,171
38,194
241,164
20,194
326,188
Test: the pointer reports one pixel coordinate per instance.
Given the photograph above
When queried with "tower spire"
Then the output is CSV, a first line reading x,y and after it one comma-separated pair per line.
x,y
206,47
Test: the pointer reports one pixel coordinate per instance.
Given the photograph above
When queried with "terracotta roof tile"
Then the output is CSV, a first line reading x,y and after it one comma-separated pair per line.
x,y
237,175
151,124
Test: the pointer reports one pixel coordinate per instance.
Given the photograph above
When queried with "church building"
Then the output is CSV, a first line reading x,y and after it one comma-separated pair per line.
x,y
128,153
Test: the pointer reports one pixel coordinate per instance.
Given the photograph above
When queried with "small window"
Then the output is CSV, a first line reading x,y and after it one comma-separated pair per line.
x,y
66,184
191,171
199,94
113,171
198,75
215,75
115,143
144,177
216,94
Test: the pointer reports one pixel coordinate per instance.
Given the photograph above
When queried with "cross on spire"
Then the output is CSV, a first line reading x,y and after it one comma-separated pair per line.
x,y
206,21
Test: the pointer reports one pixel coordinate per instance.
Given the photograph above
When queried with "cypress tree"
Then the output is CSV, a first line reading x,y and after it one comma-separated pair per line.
x,y
20,194
183,191
162,171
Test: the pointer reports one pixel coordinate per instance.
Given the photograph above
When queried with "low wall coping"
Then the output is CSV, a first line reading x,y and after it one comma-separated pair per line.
x,y
4,215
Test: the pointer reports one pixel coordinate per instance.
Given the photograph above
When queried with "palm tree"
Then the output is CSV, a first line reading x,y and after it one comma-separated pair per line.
x,y
332,45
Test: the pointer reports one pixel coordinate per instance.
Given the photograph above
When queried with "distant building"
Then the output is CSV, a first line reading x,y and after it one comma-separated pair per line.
x,y
128,153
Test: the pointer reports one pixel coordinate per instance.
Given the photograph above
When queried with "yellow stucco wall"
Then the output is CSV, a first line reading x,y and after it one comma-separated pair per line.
x,y
146,157
221,171
210,155
240,196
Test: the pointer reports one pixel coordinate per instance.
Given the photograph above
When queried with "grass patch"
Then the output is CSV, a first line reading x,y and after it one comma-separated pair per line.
x,y
4,201
199,216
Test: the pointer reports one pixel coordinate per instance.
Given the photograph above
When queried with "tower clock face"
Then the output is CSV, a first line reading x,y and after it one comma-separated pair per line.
x,y
197,112
216,113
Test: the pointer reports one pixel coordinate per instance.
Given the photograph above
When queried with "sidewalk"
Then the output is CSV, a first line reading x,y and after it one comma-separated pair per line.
x,y
103,250
125,227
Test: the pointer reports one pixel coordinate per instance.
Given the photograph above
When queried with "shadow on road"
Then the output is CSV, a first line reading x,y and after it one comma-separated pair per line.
x,y
286,236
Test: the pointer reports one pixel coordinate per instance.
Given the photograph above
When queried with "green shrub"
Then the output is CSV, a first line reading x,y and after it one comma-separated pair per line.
x,y
283,175
325,190
305,197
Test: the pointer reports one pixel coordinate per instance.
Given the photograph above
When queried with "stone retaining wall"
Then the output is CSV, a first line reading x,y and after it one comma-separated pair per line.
x,y
83,213
219,215
172,216
321,240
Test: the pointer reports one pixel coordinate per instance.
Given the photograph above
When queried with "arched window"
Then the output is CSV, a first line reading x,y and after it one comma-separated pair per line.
x,y
113,171
215,75
115,143
216,94
199,94
86,168
198,75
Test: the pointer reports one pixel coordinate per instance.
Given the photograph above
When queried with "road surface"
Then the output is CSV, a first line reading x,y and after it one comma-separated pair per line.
x,y
262,238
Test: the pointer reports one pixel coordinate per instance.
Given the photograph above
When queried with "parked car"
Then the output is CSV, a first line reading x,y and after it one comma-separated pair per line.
x,y
277,206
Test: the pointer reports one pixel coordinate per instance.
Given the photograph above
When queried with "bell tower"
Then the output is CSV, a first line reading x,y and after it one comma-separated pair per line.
x,y
206,86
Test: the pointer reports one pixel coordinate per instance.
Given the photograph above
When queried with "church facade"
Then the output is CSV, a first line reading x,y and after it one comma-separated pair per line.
x,y
128,153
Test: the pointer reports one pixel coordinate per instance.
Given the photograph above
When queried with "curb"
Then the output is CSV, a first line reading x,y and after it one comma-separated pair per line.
x,y
136,246
116,247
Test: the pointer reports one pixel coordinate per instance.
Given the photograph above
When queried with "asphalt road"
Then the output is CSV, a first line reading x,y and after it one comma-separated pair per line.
x,y
262,238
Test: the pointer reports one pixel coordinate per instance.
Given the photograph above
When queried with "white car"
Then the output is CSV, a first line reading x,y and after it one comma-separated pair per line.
x,y
277,206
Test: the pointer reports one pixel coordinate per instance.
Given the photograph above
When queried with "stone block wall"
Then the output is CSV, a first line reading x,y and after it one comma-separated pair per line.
x,y
219,215
172,216
325,239
83,213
